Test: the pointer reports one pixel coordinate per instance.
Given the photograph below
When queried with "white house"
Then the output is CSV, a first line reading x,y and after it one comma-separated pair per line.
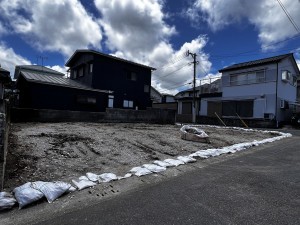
x,y
261,89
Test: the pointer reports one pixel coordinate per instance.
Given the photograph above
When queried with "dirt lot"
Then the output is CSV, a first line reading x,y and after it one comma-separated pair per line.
x,y
64,151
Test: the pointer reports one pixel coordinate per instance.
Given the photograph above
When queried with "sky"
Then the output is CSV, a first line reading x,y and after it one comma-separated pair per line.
x,y
157,33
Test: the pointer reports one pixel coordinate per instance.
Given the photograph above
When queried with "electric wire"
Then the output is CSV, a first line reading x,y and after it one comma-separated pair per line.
x,y
289,16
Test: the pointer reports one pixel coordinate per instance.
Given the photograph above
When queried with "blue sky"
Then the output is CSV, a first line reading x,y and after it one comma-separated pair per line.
x,y
153,32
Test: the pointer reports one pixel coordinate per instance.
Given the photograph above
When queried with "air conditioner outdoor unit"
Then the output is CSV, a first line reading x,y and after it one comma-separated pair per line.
x,y
285,76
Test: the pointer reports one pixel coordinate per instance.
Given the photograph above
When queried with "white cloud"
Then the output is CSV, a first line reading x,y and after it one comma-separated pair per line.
x,y
298,63
59,69
56,25
136,30
267,16
9,59
133,26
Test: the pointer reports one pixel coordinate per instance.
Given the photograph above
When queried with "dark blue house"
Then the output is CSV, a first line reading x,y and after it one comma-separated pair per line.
x,y
43,88
130,82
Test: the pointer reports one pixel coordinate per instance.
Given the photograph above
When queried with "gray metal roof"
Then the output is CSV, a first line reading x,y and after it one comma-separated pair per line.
x,y
256,62
35,68
82,51
56,80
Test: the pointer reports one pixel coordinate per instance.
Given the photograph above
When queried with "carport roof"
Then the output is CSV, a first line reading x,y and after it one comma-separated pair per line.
x,y
56,80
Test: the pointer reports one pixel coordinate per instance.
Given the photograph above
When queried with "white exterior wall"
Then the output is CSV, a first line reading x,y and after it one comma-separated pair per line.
x,y
286,90
203,107
264,94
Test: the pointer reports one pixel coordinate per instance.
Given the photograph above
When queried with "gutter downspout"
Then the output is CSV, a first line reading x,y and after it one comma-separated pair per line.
x,y
276,102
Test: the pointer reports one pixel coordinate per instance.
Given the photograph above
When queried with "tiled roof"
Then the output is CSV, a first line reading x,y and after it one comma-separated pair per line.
x,y
81,51
56,80
256,62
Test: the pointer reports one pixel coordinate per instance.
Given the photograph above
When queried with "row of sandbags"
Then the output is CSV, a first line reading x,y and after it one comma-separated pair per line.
x,y
33,191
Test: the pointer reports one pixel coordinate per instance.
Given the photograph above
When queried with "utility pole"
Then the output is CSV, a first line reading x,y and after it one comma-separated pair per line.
x,y
194,55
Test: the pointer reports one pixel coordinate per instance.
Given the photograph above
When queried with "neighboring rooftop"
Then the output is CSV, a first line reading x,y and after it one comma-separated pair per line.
x,y
57,80
257,62
82,51
4,75
35,69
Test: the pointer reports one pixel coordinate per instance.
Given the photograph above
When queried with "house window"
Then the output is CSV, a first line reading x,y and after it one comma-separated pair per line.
x,y
110,101
127,104
247,78
86,100
75,74
146,88
131,76
91,68
186,108
81,71
242,108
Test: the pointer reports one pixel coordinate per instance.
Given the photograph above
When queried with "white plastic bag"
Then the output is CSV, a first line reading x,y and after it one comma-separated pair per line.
x,y
127,175
174,162
107,177
82,184
140,171
162,163
26,194
154,168
7,200
53,190
92,177
186,159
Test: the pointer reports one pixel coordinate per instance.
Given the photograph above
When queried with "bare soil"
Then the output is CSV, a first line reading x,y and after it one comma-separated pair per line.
x,y
65,151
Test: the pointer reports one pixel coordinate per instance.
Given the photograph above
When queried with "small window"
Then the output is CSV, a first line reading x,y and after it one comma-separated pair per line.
x,y
260,76
128,104
86,100
110,101
131,76
81,72
75,74
146,88
91,67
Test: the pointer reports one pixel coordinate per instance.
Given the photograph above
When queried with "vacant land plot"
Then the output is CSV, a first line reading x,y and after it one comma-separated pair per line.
x,y
64,151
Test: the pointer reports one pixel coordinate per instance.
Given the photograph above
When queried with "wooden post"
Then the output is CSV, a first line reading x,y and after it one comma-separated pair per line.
x,y
243,122
220,119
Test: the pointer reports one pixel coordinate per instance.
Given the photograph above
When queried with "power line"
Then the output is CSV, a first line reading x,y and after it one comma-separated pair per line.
x,y
169,64
289,16
171,73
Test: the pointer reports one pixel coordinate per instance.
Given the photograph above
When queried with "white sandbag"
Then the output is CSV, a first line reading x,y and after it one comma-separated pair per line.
x,y
83,178
92,177
82,184
107,177
174,162
193,134
140,171
7,201
162,163
186,159
154,168
127,175
71,189
26,194
53,190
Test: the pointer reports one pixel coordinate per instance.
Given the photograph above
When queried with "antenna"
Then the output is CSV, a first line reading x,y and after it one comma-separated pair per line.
x,y
42,59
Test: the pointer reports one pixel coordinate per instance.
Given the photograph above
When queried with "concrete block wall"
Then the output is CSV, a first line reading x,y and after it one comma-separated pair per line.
x,y
162,116
4,129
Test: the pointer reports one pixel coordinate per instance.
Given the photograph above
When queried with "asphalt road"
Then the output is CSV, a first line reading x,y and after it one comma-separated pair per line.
x,y
262,187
